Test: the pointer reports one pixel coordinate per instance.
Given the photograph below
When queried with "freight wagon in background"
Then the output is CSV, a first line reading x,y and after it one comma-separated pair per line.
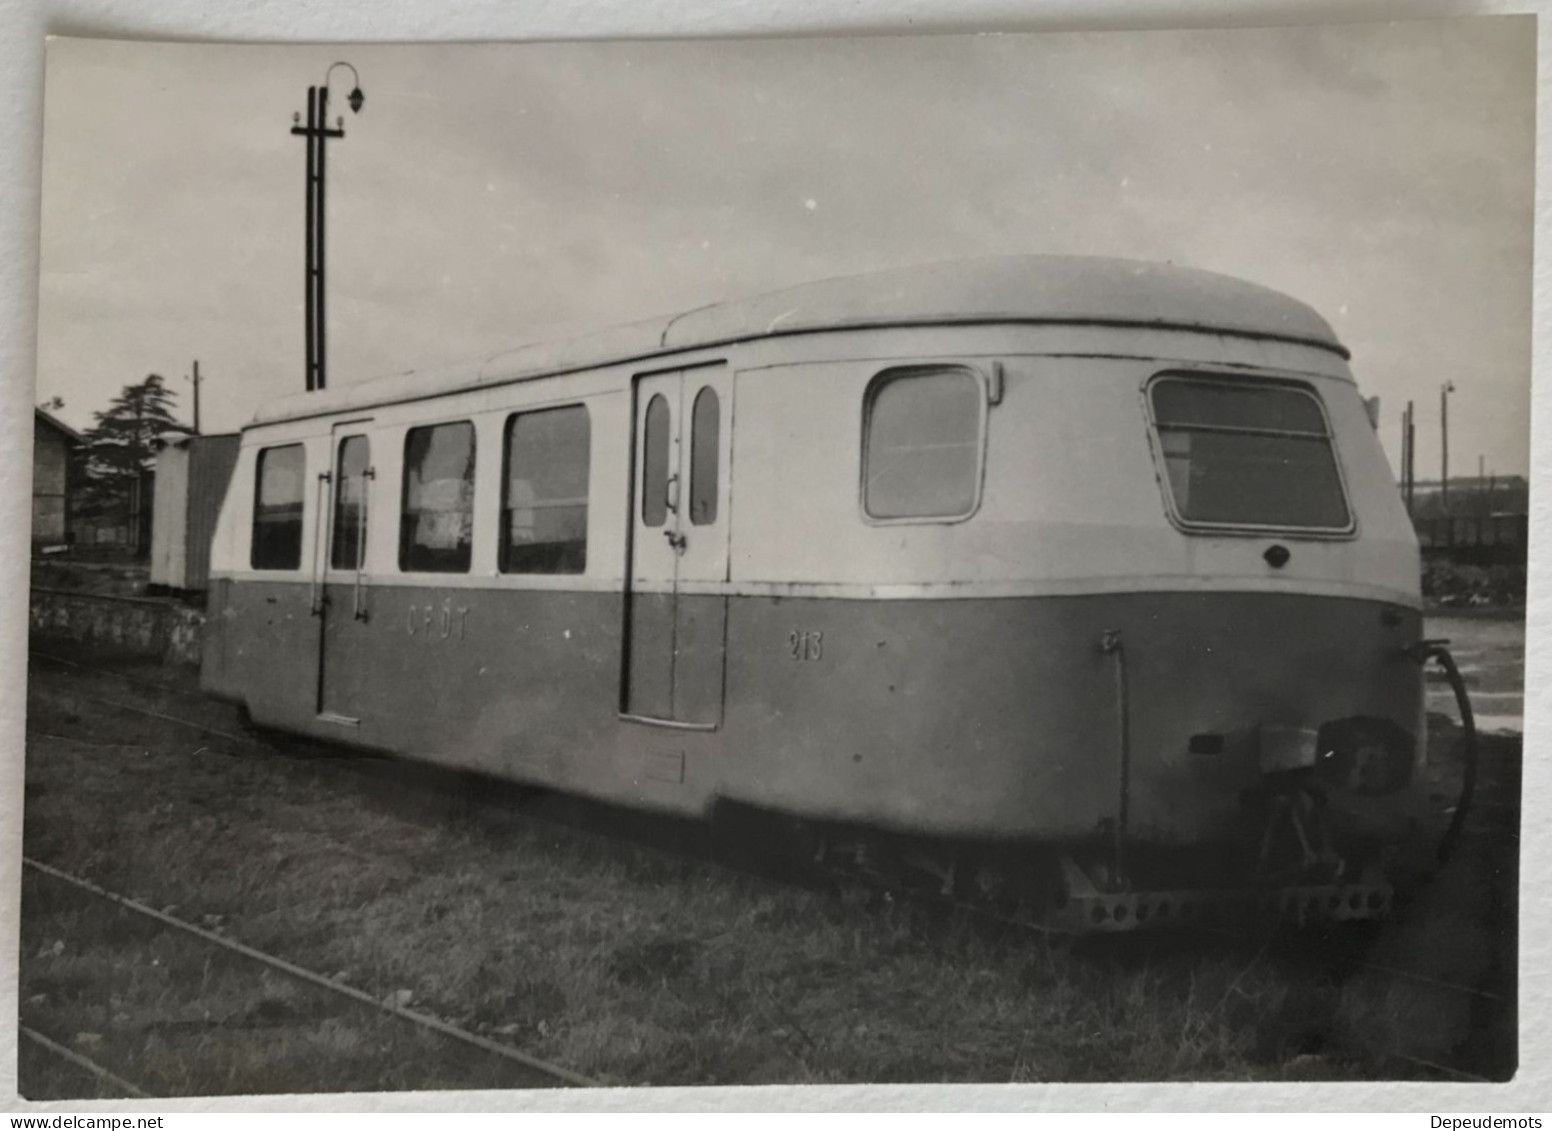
x,y
1084,580
191,478
1476,539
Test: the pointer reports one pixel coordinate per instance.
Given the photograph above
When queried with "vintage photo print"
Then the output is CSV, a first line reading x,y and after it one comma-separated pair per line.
x,y
944,559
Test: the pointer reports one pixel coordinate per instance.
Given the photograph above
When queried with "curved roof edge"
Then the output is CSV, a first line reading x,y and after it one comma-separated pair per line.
x,y
1022,288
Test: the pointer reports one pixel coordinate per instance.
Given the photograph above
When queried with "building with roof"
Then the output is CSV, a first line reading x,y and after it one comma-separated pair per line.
x,y
53,444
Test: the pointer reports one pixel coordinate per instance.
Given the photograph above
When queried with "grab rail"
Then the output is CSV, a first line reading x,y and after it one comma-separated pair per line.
x,y
315,603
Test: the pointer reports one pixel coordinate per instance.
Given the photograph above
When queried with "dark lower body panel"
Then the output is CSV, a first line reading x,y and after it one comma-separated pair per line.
x,y
996,719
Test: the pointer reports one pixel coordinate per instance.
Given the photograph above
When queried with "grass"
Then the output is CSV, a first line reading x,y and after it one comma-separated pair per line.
x,y
181,1017
613,961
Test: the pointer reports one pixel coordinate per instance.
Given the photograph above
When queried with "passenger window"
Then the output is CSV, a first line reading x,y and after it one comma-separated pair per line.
x,y
350,502
436,527
705,433
277,509
922,444
1247,453
544,507
654,463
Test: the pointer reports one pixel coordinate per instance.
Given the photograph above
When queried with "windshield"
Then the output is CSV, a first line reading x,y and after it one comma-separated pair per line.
x,y
1242,454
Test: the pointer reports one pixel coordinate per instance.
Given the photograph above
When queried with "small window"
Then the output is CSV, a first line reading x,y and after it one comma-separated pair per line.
x,y
654,463
705,438
544,506
436,528
922,444
1243,454
350,502
277,510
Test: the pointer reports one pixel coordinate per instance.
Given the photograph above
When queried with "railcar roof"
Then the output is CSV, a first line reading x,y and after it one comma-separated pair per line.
x,y
1025,288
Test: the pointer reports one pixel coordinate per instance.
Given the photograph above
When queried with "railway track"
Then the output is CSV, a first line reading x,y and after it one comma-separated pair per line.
x,y
114,1081
517,1068
1494,799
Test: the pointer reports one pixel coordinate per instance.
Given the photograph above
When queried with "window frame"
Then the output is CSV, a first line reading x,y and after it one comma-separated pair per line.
x,y
1245,529
640,473
716,456
369,476
403,493
503,546
253,518
885,376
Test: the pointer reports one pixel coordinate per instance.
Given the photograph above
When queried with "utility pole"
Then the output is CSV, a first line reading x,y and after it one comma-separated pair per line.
x,y
194,380
317,133
1405,455
1444,445
1411,457
137,484
1408,456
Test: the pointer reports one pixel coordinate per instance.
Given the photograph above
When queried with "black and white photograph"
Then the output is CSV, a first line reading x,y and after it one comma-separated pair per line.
x,y
834,560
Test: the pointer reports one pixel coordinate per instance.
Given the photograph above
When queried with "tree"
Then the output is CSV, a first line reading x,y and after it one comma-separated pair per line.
x,y
119,450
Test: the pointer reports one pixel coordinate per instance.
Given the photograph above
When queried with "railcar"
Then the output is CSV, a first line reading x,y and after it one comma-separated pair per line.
x,y
1087,563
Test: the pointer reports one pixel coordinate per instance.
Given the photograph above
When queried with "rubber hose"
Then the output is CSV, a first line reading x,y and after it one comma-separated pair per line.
x,y
1468,781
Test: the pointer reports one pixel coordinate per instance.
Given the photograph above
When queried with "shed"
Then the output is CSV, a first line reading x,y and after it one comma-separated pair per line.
x,y
53,441
192,473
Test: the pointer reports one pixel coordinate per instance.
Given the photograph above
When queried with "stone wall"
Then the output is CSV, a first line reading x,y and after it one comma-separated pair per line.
x,y
140,626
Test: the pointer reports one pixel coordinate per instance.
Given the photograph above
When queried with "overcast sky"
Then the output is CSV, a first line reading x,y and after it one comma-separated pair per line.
x,y
488,196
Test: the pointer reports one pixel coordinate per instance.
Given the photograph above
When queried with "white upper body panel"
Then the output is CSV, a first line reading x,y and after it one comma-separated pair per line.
x,y
1073,495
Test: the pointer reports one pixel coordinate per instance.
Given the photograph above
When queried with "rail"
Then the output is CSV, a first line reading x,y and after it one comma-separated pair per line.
x,y
301,973
83,1062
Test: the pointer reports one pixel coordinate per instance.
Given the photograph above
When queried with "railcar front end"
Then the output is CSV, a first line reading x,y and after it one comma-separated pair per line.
x,y
1139,606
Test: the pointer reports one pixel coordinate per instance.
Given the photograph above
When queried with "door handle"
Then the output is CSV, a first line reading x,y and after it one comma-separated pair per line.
x,y
671,493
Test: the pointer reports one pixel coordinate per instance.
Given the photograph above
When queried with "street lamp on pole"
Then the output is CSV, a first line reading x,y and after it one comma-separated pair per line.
x,y
1444,444
317,133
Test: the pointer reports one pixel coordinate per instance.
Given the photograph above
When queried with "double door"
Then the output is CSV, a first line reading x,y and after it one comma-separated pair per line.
x,y
676,604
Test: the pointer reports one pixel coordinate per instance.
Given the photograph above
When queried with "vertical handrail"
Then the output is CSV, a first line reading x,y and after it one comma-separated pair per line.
x,y
314,587
1110,644
367,474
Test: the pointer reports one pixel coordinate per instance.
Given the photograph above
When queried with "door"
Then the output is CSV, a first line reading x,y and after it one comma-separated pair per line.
x,y
343,596
676,607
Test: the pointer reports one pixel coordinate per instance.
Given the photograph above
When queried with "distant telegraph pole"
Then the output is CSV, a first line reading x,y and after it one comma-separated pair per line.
x,y
1411,456
1408,452
195,380
317,133
1444,444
